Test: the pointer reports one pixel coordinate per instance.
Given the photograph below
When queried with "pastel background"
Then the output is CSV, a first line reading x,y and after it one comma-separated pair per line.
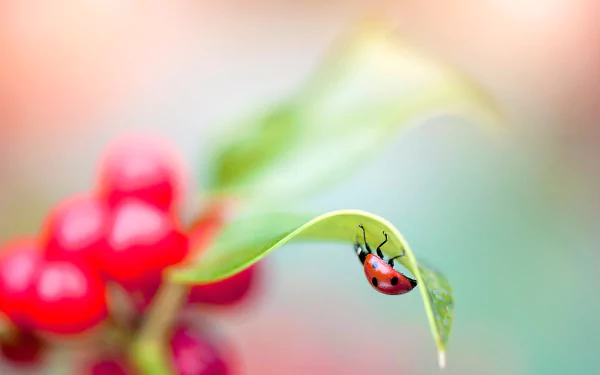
x,y
513,224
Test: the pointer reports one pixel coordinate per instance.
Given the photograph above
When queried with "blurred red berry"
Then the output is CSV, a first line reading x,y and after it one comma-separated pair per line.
x,y
142,293
25,349
226,292
107,367
207,227
76,230
67,298
142,168
143,240
193,355
19,263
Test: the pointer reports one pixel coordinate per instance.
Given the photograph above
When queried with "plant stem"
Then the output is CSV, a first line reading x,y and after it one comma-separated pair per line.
x,y
163,311
149,350
150,359
8,331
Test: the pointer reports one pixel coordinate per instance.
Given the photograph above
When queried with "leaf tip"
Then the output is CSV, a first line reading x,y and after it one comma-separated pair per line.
x,y
442,359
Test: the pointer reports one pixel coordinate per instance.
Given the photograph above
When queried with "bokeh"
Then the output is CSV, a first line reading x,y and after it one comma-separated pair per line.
x,y
512,223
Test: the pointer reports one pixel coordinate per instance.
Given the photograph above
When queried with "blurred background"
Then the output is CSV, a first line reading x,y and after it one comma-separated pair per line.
x,y
513,224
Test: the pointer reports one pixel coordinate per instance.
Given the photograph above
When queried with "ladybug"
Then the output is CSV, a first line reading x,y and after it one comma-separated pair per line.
x,y
381,274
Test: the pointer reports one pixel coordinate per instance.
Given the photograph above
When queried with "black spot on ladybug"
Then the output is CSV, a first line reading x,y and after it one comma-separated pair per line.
x,y
374,281
394,280
375,264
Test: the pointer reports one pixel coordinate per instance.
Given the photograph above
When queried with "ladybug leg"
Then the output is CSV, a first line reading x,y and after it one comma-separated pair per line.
x,y
391,261
365,238
379,247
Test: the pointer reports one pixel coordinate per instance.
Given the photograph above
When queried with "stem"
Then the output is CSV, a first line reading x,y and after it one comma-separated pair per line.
x,y
149,358
163,311
149,350
8,331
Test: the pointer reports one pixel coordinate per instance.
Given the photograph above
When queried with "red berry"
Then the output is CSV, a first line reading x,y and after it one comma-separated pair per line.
x,y
107,367
19,263
193,355
226,292
143,168
207,227
142,293
67,298
230,290
76,230
143,240
25,349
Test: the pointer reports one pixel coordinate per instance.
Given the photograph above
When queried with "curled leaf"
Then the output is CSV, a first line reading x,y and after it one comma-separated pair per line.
x,y
252,237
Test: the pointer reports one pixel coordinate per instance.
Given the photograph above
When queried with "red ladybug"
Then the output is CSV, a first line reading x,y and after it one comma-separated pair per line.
x,y
381,275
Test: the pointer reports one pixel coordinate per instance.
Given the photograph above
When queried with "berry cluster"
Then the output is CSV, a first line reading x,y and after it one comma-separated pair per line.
x,y
125,233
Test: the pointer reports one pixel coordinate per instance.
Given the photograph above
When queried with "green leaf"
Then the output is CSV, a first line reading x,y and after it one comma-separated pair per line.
x,y
371,87
252,237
